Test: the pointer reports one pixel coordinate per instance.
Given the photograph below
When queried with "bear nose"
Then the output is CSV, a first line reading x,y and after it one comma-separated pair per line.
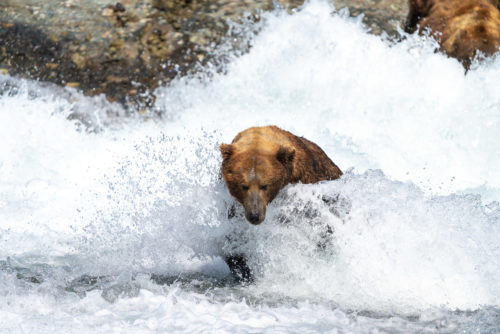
x,y
253,217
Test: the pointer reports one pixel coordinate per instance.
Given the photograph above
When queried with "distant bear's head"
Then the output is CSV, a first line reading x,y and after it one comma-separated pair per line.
x,y
464,29
255,178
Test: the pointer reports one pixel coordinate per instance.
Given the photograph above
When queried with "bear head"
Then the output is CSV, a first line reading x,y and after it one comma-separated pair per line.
x,y
254,177
464,29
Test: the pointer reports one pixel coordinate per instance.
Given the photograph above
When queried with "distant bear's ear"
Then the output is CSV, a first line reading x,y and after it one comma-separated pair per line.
x,y
497,4
285,155
418,9
421,7
226,150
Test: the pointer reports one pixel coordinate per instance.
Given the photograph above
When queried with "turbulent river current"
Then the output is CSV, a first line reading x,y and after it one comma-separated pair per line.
x,y
113,223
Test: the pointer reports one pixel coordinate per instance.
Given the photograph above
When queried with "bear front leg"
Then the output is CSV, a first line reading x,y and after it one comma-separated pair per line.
x,y
239,269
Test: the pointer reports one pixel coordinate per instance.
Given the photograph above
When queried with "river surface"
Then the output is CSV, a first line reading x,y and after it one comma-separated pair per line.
x,y
117,224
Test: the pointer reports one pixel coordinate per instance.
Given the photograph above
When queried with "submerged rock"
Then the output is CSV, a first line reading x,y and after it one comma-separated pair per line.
x,y
124,49
378,15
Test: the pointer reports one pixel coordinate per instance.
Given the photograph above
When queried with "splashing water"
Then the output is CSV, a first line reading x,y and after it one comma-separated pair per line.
x,y
118,223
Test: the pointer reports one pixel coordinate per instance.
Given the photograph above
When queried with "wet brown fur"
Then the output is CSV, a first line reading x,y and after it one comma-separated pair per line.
x,y
260,161
461,27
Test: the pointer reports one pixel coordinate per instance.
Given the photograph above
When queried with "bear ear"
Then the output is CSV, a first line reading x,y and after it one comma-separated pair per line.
x,y
226,150
422,7
285,155
418,10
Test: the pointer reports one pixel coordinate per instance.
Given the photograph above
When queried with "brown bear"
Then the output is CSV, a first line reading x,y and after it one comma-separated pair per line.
x,y
262,160
461,27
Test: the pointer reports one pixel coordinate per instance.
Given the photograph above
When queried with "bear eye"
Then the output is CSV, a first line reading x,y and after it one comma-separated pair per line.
x,y
244,187
263,187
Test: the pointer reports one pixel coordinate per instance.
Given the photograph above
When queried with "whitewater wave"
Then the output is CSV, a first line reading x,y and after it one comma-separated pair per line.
x,y
98,207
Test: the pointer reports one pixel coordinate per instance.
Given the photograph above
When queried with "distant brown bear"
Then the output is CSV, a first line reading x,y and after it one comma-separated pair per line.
x,y
461,27
262,160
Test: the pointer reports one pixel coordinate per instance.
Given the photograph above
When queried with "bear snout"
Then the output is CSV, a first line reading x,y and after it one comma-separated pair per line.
x,y
255,209
254,218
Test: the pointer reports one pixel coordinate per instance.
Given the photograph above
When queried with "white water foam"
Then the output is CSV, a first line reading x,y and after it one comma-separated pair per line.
x,y
416,227
401,108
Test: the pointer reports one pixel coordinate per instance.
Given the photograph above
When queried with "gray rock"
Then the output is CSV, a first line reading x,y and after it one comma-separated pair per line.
x,y
125,48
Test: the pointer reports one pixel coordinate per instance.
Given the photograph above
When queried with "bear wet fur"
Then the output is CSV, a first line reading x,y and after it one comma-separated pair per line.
x,y
461,27
260,162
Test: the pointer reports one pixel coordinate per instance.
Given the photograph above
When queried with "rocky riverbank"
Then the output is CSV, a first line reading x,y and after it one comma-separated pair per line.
x,y
124,49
